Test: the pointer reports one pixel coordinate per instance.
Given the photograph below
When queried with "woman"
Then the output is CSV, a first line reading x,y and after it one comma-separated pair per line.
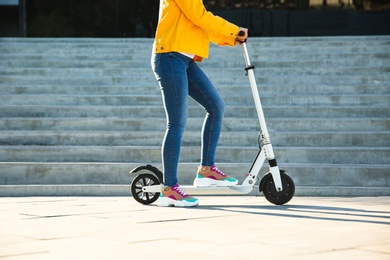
x,y
183,34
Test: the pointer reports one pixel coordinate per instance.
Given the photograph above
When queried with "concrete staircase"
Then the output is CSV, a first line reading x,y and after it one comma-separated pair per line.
x,y
76,115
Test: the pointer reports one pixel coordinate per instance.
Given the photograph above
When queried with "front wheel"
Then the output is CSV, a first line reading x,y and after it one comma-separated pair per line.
x,y
274,196
144,179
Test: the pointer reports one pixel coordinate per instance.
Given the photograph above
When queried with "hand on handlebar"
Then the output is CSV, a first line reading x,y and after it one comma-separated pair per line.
x,y
242,36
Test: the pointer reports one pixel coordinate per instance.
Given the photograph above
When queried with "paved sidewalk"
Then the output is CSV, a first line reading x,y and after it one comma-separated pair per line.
x,y
234,227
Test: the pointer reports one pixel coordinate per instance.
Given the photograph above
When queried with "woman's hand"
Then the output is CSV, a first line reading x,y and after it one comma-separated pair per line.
x,y
242,35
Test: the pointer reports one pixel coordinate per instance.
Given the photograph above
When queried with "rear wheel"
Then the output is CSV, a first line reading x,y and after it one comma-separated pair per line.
x,y
144,179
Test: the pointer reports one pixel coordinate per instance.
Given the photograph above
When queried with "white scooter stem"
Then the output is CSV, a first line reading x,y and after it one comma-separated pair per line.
x,y
269,153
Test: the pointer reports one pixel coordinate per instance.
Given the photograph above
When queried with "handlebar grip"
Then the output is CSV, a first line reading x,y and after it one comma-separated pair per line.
x,y
241,33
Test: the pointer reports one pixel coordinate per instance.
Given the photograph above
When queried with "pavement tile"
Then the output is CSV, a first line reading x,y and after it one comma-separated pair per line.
x,y
221,227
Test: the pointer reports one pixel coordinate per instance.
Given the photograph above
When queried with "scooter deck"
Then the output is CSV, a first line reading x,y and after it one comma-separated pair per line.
x,y
211,190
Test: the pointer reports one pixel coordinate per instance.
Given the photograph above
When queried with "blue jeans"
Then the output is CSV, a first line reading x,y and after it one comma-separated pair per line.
x,y
180,77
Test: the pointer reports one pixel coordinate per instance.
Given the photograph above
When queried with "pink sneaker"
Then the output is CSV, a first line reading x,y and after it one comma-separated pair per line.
x,y
176,196
211,176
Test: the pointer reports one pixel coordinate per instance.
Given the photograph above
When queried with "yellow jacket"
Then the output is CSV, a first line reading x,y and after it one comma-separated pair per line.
x,y
186,26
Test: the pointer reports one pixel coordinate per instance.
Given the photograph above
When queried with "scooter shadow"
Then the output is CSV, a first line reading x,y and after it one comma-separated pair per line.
x,y
314,212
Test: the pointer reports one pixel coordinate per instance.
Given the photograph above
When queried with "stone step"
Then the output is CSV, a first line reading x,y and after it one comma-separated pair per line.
x,y
123,190
340,40
151,88
226,154
261,60
232,57
138,46
255,46
193,111
276,78
341,44
192,138
111,61
279,124
327,175
149,100
87,73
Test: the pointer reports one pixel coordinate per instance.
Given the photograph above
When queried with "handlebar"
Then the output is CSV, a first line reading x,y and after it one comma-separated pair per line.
x,y
241,33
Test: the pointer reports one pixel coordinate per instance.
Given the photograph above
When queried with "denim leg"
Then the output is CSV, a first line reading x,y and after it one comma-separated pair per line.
x,y
170,71
204,92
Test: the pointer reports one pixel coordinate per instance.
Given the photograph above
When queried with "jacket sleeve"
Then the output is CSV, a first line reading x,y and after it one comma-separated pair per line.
x,y
195,11
222,40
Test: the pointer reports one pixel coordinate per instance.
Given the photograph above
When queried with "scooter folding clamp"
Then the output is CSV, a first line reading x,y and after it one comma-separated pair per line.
x,y
251,67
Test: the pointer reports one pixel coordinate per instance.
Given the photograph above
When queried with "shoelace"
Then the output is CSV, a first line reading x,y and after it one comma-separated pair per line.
x,y
180,190
215,169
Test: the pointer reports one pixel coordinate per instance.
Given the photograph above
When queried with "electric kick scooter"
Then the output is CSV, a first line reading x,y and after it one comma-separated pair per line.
x,y
277,187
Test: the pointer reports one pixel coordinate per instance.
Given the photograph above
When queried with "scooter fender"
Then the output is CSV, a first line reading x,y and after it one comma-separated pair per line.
x,y
151,168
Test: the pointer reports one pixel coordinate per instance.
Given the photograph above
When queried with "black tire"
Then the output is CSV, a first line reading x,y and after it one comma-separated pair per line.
x,y
272,195
144,179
